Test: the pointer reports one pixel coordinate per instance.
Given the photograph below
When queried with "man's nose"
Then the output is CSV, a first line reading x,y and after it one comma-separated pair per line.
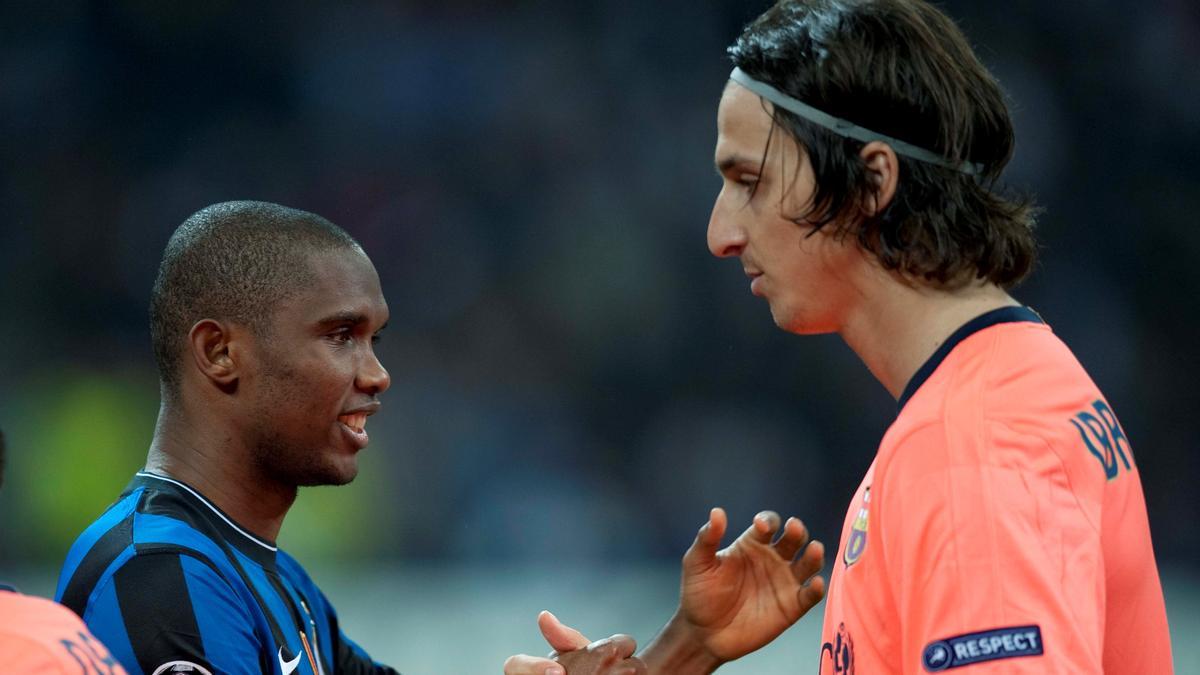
x,y
373,378
726,236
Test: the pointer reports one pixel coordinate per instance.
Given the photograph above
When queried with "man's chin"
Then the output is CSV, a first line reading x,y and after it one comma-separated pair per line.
x,y
789,321
799,325
339,472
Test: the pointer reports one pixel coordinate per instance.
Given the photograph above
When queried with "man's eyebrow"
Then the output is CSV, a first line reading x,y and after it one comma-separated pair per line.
x,y
728,163
348,316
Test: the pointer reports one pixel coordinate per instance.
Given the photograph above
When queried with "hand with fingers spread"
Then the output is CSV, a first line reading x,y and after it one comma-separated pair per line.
x,y
732,601
611,656
742,597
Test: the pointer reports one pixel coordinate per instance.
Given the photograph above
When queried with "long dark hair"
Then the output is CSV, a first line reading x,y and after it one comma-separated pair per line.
x,y
904,69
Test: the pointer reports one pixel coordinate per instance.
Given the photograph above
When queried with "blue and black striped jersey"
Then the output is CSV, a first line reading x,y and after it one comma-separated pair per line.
x,y
171,584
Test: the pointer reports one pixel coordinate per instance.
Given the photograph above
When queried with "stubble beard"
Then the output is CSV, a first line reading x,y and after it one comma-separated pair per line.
x,y
285,462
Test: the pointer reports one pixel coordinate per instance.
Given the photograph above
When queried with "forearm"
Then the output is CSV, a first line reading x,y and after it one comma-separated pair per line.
x,y
677,650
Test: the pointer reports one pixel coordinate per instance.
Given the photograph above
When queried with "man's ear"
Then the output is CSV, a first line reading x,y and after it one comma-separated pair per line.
x,y
212,348
883,173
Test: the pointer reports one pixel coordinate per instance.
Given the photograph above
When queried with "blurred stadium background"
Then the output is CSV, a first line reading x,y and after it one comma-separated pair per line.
x,y
575,379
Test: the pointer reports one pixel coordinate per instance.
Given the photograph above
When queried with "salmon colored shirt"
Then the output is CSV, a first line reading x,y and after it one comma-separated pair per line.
x,y
1001,527
41,636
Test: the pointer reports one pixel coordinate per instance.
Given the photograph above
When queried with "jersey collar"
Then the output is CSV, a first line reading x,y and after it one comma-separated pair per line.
x,y
257,549
986,320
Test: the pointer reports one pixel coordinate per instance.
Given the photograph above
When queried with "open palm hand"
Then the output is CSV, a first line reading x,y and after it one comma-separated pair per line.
x,y
732,601
738,599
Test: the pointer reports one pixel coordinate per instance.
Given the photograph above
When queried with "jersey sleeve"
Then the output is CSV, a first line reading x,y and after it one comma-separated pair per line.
x,y
991,565
171,608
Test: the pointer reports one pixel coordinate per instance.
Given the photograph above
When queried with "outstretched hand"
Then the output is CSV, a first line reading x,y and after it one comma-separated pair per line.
x,y
738,599
732,601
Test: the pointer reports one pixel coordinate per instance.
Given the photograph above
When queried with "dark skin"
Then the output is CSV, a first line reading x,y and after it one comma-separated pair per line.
x,y
257,416
610,656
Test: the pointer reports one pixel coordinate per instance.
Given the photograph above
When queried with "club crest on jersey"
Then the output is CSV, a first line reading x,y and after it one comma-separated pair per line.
x,y
840,653
857,542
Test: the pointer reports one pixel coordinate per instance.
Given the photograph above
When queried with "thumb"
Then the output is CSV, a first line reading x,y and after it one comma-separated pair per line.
x,y
561,637
703,551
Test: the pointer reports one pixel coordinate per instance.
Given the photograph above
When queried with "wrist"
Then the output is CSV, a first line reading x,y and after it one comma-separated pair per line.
x,y
679,649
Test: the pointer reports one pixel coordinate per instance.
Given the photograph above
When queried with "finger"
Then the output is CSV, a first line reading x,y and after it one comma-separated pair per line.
x,y
810,562
523,664
810,594
615,648
561,637
794,537
704,549
762,529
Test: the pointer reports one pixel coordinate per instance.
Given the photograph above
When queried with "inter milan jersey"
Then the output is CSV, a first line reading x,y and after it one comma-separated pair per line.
x,y
1001,527
171,585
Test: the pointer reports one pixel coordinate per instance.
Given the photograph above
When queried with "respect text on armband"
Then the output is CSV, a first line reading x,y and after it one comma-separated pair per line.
x,y
988,645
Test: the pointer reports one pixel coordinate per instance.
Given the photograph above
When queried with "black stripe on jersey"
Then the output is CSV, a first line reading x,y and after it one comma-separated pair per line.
x,y
95,561
280,588
157,610
165,499
276,631
281,591
265,664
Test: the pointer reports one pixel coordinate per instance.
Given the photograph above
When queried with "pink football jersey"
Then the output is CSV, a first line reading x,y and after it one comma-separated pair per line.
x,y
1001,527
43,637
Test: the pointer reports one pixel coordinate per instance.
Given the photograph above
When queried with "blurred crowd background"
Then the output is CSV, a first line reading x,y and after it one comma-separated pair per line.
x,y
575,379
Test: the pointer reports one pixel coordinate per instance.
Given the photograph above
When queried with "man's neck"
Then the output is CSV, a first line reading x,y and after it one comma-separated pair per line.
x,y
212,463
895,330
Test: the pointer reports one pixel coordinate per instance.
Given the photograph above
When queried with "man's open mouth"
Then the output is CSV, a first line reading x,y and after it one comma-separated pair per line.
x,y
356,421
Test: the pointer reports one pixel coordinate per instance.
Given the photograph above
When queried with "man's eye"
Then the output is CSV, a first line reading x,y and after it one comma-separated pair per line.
x,y
342,336
747,181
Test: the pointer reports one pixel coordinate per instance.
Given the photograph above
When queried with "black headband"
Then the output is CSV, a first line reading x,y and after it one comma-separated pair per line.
x,y
846,128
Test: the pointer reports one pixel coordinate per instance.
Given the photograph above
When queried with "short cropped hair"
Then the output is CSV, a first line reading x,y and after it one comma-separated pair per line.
x,y
234,262
903,69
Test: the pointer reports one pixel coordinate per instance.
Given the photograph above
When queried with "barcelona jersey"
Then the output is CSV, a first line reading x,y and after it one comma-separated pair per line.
x,y
1001,527
40,637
